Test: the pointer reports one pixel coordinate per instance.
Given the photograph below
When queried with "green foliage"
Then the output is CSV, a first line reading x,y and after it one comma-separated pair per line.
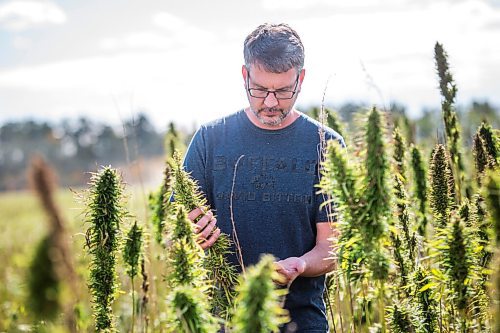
x,y
339,180
379,264
173,141
159,204
400,261
189,312
377,196
105,214
188,307
440,194
480,157
185,256
492,197
376,192
495,292
482,227
332,119
457,262
448,91
465,213
399,153
404,223
222,274
401,199
420,188
425,301
490,144
43,283
133,249
399,320
258,307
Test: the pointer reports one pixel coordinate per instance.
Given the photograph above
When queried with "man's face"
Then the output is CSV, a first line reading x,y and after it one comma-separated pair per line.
x,y
271,110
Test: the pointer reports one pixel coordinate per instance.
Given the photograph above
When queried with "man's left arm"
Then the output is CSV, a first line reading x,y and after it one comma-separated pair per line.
x,y
316,262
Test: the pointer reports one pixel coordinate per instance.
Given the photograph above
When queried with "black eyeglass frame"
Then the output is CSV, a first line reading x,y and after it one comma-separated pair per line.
x,y
294,91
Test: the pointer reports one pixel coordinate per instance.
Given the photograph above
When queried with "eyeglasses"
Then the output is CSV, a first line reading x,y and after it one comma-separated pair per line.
x,y
278,94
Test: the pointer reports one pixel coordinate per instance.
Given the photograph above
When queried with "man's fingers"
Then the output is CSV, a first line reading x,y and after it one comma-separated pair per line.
x,y
202,223
192,215
210,241
208,229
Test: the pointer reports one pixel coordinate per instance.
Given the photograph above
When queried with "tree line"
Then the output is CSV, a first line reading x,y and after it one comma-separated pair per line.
x,y
74,146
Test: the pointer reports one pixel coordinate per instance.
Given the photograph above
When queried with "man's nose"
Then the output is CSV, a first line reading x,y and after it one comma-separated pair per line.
x,y
270,100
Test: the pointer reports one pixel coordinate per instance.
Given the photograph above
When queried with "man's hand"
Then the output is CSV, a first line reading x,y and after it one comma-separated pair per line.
x,y
207,232
290,268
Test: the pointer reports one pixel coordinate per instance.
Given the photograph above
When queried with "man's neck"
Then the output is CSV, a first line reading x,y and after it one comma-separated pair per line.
x,y
289,119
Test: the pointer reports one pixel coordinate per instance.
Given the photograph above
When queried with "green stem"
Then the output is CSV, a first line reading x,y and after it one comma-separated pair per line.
x,y
133,305
365,304
351,307
330,309
382,305
339,305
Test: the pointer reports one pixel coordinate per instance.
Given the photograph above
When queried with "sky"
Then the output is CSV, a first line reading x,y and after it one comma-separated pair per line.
x,y
181,60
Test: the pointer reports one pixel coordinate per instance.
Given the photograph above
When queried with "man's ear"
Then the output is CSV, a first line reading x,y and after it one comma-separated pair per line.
x,y
301,77
244,73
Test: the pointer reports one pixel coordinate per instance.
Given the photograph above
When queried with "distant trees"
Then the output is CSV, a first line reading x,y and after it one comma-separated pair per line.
x,y
73,146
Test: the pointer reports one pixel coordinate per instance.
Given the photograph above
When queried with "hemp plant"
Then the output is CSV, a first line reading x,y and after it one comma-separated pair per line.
x,y
339,180
401,198
51,266
131,255
441,189
420,188
400,320
490,142
184,255
492,198
457,262
480,157
376,191
376,194
448,90
221,272
105,213
44,284
425,301
332,120
188,308
258,308
173,141
159,204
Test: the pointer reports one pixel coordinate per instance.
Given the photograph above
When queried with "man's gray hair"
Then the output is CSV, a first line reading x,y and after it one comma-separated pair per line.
x,y
275,47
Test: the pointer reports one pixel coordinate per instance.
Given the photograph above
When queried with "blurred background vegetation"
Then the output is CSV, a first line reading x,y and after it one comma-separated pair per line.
x,y
76,146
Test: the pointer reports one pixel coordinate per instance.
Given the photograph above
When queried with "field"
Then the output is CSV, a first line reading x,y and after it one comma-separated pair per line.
x,y
22,225
418,251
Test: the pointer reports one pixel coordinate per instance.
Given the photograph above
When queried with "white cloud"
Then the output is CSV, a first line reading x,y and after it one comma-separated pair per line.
x,y
182,31
169,22
137,40
345,5
21,15
21,43
172,67
168,31
172,85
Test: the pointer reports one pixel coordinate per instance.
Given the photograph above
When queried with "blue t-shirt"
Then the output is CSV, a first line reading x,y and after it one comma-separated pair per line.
x,y
275,205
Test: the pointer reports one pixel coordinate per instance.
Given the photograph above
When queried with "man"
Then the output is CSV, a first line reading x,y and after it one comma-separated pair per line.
x,y
271,150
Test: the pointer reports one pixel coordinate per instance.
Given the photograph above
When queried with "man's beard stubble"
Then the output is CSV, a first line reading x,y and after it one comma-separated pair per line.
x,y
281,113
